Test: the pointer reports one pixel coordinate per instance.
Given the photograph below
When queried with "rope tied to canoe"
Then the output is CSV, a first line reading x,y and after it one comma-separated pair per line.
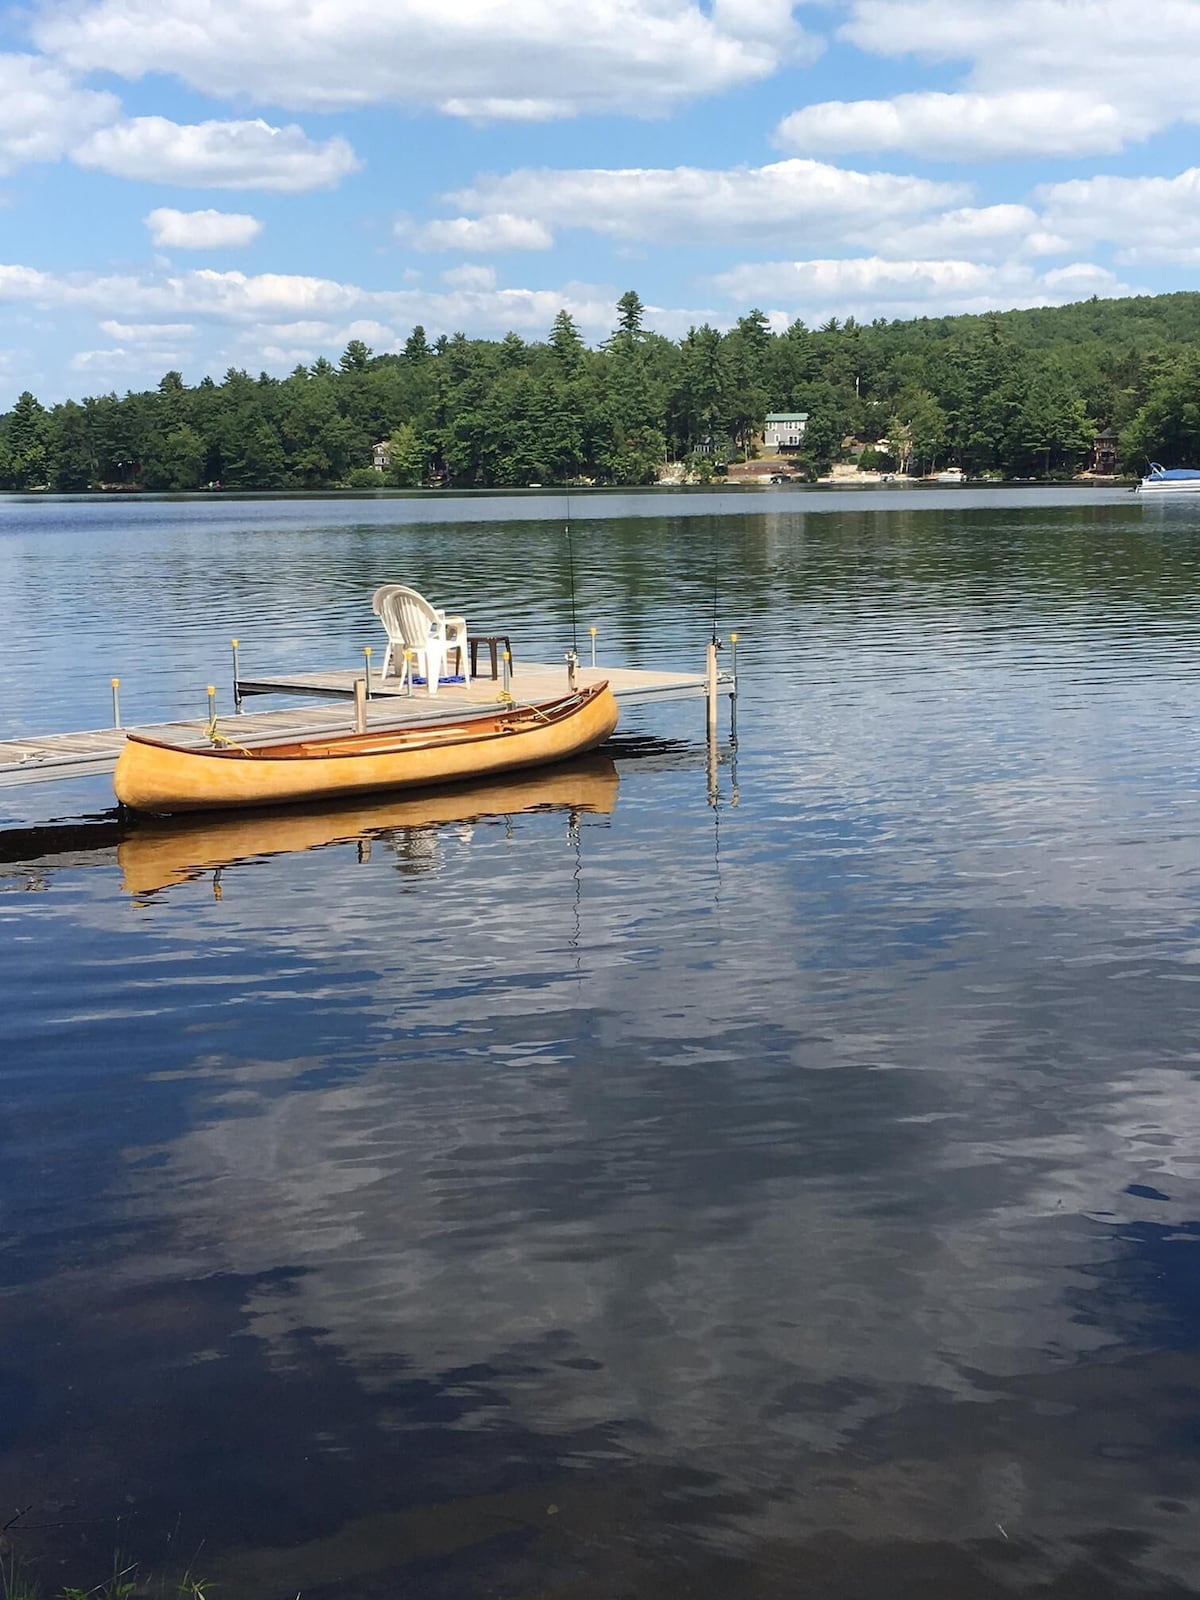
x,y
507,700
223,743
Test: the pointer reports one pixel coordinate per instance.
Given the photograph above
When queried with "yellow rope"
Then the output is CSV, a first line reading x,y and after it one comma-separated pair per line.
x,y
222,742
506,699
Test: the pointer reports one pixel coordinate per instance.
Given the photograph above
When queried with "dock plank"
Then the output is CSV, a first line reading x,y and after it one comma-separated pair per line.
x,y
40,758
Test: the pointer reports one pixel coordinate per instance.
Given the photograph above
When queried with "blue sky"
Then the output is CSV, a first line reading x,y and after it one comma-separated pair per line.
x,y
199,184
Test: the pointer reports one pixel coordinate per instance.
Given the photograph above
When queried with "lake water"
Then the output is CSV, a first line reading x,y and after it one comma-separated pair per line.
x,y
613,1184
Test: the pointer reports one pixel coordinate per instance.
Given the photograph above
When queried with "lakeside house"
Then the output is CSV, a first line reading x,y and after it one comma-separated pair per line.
x,y
381,455
1104,453
784,430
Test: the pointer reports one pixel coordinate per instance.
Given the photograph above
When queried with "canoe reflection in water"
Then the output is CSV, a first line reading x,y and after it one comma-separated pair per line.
x,y
165,851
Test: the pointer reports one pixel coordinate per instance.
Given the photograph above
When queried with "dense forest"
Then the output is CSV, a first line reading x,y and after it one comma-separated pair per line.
x,y
1014,394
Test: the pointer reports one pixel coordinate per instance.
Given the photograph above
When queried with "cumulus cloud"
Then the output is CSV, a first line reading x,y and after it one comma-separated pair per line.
x,y
218,155
1148,219
498,231
201,230
25,283
961,127
974,231
868,287
495,108
1105,76
43,112
681,205
146,332
291,307
470,277
477,59
91,361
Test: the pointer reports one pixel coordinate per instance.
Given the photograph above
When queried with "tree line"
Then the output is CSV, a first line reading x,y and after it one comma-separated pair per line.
x,y
1016,394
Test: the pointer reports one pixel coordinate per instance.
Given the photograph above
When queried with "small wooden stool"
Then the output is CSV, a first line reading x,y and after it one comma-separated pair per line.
x,y
493,642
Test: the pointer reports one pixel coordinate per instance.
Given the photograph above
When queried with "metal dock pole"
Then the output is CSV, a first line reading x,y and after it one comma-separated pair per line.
x,y
733,693
710,689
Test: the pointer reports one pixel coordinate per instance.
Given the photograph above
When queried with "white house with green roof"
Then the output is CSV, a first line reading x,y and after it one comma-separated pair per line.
x,y
784,430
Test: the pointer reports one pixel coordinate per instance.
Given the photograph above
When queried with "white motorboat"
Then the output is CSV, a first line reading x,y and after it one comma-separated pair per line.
x,y
1169,480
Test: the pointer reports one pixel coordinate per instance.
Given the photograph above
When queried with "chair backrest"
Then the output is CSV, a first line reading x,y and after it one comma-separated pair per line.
x,y
407,616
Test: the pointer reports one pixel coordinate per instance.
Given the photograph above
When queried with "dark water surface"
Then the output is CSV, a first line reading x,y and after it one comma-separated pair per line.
x,y
597,1185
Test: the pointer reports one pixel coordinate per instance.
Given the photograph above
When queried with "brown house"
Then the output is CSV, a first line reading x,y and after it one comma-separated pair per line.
x,y
1104,453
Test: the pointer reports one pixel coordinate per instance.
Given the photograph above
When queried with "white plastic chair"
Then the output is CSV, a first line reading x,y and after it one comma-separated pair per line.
x,y
419,635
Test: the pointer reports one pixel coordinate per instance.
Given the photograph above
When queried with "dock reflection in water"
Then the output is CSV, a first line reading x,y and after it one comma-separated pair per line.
x,y
158,854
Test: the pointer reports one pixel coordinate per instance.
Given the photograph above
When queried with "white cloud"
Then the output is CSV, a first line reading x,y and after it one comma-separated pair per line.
x,y
1116,71
479,58
43,112
324,308
25,283
497,231
960,127
975,231
319,335
146,332
301,332
1028,41
868,287
491,108
1149,219
201,230
682,205
123,365
218,155
470,277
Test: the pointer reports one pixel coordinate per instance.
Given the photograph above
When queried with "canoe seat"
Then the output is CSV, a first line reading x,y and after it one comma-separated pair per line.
x,y
420,637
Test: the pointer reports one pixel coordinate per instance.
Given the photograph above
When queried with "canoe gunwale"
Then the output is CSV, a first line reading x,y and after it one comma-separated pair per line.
x,y
408,736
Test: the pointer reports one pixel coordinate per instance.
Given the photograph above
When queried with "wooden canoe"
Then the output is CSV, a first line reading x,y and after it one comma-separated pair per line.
x,y
159,852
154,775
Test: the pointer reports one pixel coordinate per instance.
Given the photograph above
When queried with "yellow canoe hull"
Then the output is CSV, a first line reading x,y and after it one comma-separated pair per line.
x,y
152,775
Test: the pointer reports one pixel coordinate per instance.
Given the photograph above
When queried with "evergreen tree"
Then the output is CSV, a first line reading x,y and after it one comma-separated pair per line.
x,y
566,343
27,441
416,347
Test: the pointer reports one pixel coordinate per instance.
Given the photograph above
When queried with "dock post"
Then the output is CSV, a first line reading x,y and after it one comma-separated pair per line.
x,y
367,656
212,708
733,693
237,682
360,705
116,689
507,671
710,689
593,631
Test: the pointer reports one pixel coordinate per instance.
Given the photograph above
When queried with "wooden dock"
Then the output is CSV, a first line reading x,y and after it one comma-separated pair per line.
x,y
43,758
